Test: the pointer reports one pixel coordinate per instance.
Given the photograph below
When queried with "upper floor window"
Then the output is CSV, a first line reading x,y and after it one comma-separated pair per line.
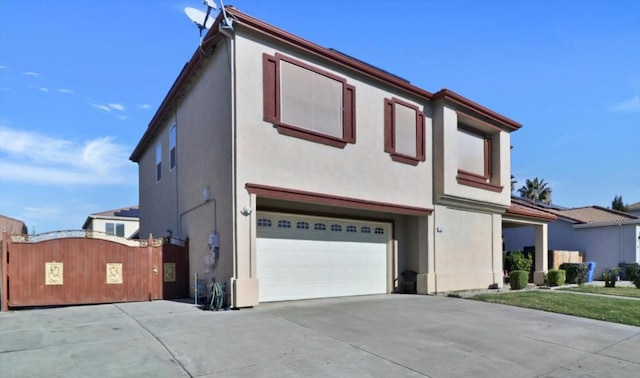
x,y
475,139
116,229
172,147
404,131
306,102
158,161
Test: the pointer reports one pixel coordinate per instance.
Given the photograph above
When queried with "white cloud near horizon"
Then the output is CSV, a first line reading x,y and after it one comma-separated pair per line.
x,y
31,73
65,90
118,107
103,108
40,159
631,105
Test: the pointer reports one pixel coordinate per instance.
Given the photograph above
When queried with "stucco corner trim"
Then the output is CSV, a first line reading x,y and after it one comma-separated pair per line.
x,y
331,200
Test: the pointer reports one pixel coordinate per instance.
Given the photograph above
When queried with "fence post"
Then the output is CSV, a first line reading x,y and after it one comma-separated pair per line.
x,y
150,257
5,273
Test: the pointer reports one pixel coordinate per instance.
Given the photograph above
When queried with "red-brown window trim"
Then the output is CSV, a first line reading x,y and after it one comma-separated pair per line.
x,y
473,179
271,103
390,132
331,200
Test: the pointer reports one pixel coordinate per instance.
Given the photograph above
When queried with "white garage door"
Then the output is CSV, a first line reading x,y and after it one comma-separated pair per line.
x,y
301,257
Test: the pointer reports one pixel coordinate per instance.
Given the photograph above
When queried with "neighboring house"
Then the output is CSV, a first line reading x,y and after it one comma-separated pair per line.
x,y
12,226
119,222
607,237
634,209
296,171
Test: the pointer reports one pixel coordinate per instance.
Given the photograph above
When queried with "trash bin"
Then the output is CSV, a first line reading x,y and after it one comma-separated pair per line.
x,y
591,269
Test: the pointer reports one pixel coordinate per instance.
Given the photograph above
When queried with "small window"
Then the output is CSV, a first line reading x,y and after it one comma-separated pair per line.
x,y
302,226
158,162
172,147
264,222
336,228
319,227
352,229
404,131
116,229
284,224
379,231
365,230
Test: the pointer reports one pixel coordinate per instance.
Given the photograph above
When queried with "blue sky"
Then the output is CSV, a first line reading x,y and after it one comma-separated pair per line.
x,y
80,81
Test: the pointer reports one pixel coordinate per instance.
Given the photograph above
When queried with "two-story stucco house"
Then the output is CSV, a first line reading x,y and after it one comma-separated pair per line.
x,y
296,171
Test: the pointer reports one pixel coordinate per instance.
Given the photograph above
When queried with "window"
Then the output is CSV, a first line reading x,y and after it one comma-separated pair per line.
x,y
352,229
172,147
305,102
284,224
158,161
365,230
404,132
302,226
475,161
319,227
336,228
379,231
263,222
116,229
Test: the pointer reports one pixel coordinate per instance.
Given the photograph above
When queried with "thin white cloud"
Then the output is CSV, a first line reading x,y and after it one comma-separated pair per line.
x,y
4,68
67,91
31,73
118,107
104,108
122,117
43,89
145,106
37,158
631,105
42,212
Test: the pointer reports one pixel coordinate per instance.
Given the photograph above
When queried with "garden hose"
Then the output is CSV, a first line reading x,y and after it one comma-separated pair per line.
x,y
217,296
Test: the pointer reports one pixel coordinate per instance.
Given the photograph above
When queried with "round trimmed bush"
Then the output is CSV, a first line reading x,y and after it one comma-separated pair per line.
x,y
636,281
518,279
556,277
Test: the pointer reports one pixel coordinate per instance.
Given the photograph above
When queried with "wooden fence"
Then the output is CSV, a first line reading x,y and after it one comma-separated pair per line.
x,y
84,267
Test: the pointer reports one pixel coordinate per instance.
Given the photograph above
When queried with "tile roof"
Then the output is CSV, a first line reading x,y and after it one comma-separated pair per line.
x,y
522,210
127,212
634,206
12,226
596,214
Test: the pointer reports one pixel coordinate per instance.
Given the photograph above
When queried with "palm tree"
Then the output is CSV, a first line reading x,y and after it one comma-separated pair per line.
x,y
537,190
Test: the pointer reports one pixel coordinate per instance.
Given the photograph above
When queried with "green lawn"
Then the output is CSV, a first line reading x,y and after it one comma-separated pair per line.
x,y
615,310
620,291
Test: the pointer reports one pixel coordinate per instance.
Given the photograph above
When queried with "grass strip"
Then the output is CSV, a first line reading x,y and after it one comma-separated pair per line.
x,y
615,310
619,291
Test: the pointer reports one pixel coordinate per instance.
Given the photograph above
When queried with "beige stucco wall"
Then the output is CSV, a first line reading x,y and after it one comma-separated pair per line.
x,y
467,249
203,124
361,170
446,188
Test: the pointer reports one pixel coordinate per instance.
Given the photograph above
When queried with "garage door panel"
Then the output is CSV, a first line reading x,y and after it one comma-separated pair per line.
x,y
316,267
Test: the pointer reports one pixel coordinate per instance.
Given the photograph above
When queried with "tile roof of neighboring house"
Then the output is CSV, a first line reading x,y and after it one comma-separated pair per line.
x,y
125,212
12,226
527,211
596,214
634,206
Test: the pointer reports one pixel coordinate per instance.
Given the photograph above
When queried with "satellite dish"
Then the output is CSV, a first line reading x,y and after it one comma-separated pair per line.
x,y
198,17
210,3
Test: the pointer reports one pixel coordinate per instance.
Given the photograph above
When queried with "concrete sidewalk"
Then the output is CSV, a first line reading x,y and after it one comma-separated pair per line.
x,y
373,336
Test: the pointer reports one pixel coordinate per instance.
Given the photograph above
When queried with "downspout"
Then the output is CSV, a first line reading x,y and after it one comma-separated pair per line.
x,y
227,30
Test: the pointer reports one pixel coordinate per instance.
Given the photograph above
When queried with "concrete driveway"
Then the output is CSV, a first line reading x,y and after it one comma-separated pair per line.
x,y
373,336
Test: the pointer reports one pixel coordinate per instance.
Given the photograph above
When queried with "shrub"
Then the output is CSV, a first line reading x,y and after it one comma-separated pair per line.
x,y
636,281
576,272
518,279
518,261
556,277
631,271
